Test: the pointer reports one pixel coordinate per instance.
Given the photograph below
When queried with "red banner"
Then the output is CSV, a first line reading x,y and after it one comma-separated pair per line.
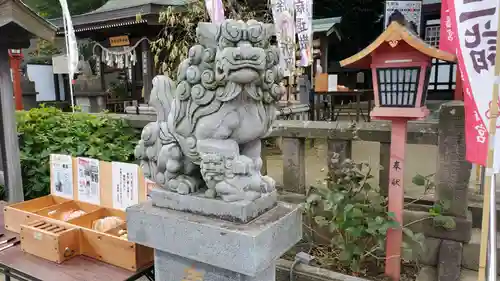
x,y
473,29
446,35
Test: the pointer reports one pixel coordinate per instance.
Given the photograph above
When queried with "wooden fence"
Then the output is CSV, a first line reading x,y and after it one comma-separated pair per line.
x,y
341,134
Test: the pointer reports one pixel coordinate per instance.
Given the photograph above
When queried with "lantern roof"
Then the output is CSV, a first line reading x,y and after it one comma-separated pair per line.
x,y
19,23
395,33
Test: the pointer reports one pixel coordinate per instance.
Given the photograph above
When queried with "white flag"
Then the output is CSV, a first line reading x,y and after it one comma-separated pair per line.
x,y
71,45
215,10
284,22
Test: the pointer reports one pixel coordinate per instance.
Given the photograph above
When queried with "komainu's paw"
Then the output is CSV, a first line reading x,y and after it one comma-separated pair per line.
x,y
183,184
268,184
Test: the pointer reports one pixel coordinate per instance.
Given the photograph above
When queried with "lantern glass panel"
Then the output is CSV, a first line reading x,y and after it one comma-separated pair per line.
x,y
426,85
398,86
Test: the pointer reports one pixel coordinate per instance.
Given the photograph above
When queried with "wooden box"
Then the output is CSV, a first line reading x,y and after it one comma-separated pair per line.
x,y
24,212
39,222
52,241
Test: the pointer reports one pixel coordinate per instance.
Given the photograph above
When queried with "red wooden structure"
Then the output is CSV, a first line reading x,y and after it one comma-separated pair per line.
x,y
401,64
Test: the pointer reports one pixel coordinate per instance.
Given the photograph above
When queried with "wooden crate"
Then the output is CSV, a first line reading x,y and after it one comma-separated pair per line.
x,y
105,246
24,212
56,242
109,246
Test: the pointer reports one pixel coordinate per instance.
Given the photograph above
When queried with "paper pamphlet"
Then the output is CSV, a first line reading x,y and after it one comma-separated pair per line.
x,y
125,185
89,190
61,183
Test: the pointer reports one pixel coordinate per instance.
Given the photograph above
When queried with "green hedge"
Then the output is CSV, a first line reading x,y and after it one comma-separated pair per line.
x,y
47,130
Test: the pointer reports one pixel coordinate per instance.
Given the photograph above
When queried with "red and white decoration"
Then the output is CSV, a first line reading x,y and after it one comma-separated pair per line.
x,y
469,29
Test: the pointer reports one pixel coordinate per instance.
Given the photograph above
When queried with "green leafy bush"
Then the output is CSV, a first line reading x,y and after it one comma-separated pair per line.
x,y
356,215
47,130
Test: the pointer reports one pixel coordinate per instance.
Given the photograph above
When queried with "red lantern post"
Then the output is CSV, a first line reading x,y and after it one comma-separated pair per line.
x,y
16,57
400,62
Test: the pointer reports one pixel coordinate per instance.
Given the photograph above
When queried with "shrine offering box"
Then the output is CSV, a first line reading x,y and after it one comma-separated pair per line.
x,y
84,214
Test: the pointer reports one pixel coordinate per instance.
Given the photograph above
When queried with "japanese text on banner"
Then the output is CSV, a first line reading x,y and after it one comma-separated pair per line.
x,y
303,27
446,34
283,15
475,24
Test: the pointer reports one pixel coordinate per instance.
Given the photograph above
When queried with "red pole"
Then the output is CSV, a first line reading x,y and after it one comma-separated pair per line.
x,y
15,66
459,90
396,197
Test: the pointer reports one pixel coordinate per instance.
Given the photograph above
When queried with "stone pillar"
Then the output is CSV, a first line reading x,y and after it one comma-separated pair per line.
x,y
453,173
452,188
304,89
198,238
29,93
294,165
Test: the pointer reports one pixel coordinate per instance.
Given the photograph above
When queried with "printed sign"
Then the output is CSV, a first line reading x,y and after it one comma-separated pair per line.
x,y
61,183
303,27
88,180
118,41
125,185
411,10
474,24
284,23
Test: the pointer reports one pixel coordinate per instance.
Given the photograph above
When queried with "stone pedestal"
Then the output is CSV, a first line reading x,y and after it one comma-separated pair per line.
x,y
29,93
194,244
89,95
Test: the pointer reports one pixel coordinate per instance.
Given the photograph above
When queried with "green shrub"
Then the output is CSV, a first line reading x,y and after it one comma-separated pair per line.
x,y
356,215
48,130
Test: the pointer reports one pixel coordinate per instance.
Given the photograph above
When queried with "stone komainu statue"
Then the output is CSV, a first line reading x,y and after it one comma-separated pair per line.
x,y
207,137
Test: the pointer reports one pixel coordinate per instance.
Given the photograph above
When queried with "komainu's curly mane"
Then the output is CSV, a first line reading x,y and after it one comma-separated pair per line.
x,y
229,81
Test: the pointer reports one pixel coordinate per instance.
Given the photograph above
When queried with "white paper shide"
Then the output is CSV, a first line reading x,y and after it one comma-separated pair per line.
x,y
125,185
88,180
61,183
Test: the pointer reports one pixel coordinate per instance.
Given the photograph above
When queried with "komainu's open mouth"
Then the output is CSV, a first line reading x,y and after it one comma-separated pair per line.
x,y
243,75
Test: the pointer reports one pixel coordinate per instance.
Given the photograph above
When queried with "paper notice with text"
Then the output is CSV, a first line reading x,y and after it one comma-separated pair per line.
x,y
125,185
61,183
88,181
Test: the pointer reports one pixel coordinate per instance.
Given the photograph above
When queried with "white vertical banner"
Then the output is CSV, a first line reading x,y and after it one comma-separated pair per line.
x,y
215,10
474,25
303,27
284,22
71,45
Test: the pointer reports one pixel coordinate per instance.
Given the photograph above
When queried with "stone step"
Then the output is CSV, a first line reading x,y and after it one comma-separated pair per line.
x,y
470,253
429,273
468,275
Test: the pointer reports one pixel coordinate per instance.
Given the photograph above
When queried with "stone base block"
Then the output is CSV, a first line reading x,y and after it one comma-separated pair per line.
x,y
450,260
461,233
249,249
170,267
243,211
